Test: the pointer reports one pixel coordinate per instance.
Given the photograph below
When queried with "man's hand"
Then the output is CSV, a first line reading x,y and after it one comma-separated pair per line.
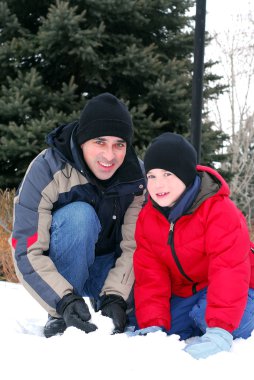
x,y
114,307
75,312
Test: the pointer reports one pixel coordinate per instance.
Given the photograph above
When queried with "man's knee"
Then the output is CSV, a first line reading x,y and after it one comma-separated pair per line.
x,y
77,217
74,233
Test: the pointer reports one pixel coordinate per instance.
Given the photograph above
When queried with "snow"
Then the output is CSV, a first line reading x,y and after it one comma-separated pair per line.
x,y
25,353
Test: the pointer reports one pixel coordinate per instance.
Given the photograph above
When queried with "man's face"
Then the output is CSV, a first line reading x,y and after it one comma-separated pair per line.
x,y
104,155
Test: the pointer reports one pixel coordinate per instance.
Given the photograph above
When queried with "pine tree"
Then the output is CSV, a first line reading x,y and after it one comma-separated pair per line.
x,y
55,55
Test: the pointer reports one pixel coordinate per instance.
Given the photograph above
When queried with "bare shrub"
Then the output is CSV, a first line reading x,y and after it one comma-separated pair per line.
x,y
7,271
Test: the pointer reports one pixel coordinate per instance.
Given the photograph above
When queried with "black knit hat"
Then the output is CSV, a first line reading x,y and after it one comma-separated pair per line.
x,y
104,115
174,153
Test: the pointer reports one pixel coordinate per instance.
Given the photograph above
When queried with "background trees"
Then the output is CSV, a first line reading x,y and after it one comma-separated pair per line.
x,y
234,112
54,55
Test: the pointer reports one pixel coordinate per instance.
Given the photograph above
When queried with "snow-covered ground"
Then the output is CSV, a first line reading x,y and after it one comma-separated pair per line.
x,y
26,354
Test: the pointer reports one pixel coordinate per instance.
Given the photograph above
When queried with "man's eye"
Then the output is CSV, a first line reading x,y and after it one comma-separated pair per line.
x,y
121,145
150,176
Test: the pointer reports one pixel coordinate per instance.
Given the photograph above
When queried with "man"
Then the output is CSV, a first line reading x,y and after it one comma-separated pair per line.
x,y
74,218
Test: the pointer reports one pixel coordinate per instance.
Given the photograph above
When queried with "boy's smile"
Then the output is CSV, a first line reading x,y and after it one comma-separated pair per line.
x,y
164,187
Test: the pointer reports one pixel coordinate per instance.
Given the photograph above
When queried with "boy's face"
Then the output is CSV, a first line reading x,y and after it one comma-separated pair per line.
x,y
164,187
104,155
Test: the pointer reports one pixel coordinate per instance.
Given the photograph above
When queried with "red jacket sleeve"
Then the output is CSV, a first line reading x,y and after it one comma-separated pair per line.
x,y
152,289
227,246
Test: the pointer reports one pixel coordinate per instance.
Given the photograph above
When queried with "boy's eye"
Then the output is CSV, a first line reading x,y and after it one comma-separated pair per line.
x,y
150,176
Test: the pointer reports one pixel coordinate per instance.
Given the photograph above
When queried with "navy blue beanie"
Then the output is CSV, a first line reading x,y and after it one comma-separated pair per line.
x,y
104,115
172,152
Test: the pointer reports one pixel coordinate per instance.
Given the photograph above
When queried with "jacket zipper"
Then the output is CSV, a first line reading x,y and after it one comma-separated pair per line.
x,y
113,222
172,246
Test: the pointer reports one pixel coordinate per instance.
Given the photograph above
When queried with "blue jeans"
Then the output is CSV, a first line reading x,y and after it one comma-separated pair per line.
x,y
74,232
188,316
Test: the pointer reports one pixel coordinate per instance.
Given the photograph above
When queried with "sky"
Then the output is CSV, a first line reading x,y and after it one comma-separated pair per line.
x,y
221,13
229,19
26,354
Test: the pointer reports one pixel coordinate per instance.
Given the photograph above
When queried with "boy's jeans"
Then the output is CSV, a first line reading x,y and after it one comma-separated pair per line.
x,y
74,232
188,316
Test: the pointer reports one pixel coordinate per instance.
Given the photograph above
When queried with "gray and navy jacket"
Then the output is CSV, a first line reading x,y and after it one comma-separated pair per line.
x,y
55,178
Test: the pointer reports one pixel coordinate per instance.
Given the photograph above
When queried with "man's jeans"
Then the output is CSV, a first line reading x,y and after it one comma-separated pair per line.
x,y
74,233
188,316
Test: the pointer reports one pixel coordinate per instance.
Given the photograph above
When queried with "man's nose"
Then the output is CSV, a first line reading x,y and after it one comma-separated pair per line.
x,y
109,154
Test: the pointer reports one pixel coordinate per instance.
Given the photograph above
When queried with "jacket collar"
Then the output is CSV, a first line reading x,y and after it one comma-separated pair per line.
x,y
211,183
183,204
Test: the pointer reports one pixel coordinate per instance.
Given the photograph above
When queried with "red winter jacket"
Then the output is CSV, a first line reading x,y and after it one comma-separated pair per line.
x,y
210,247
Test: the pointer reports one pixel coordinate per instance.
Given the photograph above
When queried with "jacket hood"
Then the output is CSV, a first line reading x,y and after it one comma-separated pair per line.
x,y
63,140
60,138
211,183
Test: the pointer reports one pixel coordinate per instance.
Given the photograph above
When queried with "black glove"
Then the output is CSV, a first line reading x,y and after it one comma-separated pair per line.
x,y
114,307
75,312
